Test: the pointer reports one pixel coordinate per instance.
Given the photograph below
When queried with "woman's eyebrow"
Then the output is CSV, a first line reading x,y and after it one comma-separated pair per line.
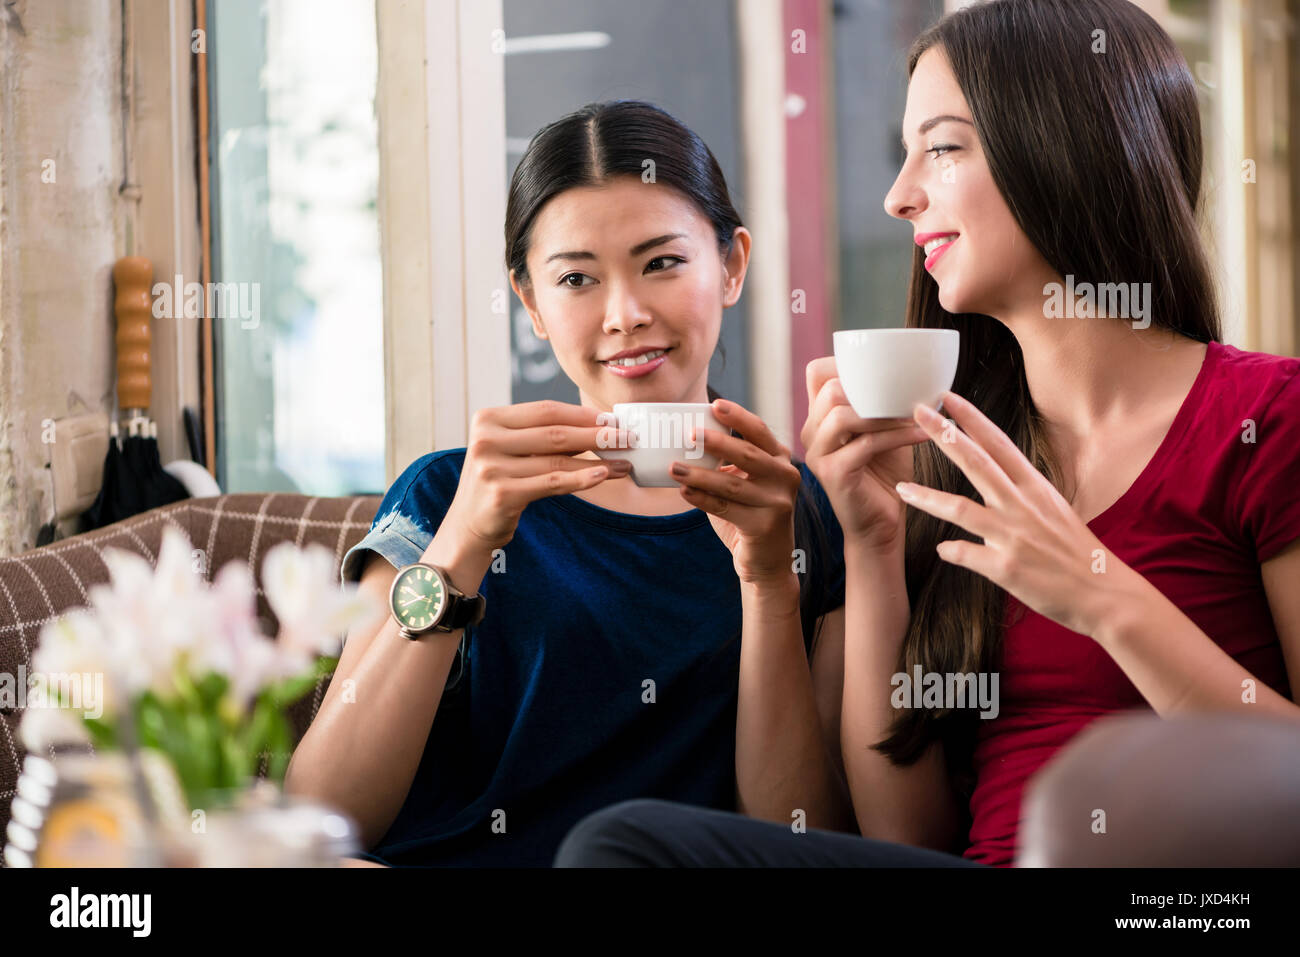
x,y
934,121
636,250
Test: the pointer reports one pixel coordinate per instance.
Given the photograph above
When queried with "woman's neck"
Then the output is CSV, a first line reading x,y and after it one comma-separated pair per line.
x,y
1086,375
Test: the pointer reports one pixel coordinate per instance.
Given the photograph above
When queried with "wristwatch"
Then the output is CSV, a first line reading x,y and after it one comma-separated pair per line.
x,y
423,600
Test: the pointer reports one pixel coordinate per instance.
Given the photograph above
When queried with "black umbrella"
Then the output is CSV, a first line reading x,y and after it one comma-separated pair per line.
x,y
102,512
134,479
157,487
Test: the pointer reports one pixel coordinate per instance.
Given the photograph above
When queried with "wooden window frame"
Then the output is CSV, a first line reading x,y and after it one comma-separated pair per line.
x,y
162,225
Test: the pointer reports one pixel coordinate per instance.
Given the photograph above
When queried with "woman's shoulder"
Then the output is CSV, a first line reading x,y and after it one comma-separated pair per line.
x,y
431,468
1251,359
425,487
1249,403
410,512
1238,391
1258,376
1255,406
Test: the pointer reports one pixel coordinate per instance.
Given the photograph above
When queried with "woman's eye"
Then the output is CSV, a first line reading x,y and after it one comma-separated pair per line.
x,y
660,259
564,280
941,149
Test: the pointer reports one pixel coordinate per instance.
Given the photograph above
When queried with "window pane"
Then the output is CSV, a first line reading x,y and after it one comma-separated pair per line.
x,y
300,384
871,41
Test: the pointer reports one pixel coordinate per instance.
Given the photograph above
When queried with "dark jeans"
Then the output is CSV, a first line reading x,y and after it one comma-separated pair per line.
x,y
650,833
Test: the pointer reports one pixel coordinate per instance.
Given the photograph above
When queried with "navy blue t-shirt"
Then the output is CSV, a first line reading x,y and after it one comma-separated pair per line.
x,y
605,668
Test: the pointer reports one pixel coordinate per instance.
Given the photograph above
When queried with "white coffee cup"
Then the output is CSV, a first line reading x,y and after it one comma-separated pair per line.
x,y
886,372
660,433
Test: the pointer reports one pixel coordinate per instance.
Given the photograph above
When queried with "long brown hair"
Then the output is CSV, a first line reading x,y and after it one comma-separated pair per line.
x,y
1098,156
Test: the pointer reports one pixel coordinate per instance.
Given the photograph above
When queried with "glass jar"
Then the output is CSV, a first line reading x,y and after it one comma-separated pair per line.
x,y
86,809
261,826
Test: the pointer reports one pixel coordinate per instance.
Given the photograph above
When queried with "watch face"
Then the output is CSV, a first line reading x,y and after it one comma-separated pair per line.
x,y
418,598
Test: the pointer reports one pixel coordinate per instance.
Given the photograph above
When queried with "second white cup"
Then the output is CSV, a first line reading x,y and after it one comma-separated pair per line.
x,y
886,372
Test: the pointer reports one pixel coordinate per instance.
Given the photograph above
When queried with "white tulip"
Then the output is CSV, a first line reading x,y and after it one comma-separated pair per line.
x,y
313,610
43,727
148,622
76,645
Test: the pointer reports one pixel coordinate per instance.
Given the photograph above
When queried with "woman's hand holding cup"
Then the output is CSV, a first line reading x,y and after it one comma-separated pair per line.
x,y
858,461
519,453
750,500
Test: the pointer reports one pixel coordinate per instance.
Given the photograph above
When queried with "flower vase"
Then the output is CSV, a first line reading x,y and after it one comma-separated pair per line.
x,y
260,826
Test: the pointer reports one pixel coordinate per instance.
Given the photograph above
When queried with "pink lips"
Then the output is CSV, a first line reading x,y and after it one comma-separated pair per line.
x,y
934,256
922,238
636,372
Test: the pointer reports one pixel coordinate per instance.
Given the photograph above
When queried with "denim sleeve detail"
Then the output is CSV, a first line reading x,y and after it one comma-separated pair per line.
x,y
409,514
401,542
405,522
395,537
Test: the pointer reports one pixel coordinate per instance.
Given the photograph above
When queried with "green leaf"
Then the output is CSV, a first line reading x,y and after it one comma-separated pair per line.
x,y
103,735
189,695
236,760
211,687
281,742
259,725
290,690
198,739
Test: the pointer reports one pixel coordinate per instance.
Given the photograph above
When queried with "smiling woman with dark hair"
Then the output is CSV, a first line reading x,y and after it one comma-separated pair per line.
x,y
1109,521
624,641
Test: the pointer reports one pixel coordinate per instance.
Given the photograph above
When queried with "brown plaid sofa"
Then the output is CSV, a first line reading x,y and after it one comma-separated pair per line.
x,y
40,585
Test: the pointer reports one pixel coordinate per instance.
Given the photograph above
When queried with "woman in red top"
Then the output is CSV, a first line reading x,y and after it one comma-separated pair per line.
x,y
1112,522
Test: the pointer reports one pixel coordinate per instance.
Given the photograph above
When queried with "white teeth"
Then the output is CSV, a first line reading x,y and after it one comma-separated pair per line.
x,y
934,244
637,360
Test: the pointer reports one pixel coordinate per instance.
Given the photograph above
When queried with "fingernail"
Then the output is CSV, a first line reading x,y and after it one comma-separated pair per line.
x,y
621,466
905,490
721,405
678,469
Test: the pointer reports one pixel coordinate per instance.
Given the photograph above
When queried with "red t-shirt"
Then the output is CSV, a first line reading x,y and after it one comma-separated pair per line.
x,y
1219,497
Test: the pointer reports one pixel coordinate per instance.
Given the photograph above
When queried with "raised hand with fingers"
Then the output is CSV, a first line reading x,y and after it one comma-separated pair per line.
x,y
750,499
858,461
1034,544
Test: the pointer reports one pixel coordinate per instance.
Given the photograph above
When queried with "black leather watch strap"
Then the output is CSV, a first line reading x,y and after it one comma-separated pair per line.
x,y
462,611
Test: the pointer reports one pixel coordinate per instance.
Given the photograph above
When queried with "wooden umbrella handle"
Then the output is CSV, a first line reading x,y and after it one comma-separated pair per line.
x,y
133,307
